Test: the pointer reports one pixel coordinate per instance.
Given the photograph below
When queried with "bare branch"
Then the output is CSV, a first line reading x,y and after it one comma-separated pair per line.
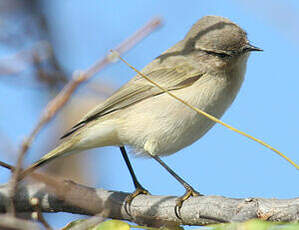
x,y
60,100
155,211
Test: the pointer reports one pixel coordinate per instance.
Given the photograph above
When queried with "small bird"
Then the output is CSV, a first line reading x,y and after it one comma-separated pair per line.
x,y
205,69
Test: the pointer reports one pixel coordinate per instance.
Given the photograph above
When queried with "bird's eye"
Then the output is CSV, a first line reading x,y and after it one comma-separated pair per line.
x,y
219,54
222,55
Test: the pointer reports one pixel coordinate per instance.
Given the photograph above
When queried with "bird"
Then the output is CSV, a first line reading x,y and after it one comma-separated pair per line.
x,y
206,69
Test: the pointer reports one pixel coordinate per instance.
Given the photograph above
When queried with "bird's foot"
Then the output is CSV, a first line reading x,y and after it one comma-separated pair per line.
x,y
179,202
138,191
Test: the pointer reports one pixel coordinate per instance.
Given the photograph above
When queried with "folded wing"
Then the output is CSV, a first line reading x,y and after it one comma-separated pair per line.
x,y
137,89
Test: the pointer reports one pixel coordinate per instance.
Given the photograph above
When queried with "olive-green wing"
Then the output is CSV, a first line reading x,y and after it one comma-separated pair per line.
x,y
138,89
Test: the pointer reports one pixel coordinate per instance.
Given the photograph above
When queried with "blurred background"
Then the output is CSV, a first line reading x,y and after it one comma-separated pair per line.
x,y
43,42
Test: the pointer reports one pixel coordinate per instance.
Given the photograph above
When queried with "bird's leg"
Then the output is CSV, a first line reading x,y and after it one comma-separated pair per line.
x,y
138,187
189,190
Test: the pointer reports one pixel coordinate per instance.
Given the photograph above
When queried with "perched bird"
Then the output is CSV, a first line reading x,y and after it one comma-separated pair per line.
x,y
206,69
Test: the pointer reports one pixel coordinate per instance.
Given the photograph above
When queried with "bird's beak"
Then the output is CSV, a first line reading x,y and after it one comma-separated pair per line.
x,y
248,47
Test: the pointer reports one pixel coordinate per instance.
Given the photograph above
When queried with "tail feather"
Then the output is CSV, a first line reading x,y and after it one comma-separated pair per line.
x,y
60,150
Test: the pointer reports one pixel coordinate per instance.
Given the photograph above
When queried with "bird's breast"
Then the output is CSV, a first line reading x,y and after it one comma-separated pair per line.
x,y
162,125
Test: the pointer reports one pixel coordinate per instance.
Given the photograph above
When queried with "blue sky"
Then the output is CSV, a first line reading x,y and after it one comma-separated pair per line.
x,y
222,162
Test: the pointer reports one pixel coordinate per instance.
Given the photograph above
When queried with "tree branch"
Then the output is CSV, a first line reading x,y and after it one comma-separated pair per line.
x,y
67,196
61,99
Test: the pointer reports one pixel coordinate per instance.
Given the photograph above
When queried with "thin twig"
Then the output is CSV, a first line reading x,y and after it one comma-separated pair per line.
x,y
60,100
5,165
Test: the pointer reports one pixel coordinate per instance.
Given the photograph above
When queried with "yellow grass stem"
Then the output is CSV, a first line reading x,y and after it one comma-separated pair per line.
x,y
210,116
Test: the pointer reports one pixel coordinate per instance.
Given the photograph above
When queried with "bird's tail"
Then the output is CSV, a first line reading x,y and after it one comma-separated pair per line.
x,y
60,150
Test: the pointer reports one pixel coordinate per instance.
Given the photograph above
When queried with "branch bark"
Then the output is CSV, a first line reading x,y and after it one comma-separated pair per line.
x,y
67,196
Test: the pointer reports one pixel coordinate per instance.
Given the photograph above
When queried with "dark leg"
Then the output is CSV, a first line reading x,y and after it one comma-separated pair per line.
x,y
189,190
138,188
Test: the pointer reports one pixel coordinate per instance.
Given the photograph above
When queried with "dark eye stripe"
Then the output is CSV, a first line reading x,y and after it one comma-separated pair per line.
x,y
218,54
222,55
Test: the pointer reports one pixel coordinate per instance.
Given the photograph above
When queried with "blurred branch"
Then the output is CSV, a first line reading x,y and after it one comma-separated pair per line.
x,y
23,25
39,56
10,222
67,196
78,78
38,64
16,63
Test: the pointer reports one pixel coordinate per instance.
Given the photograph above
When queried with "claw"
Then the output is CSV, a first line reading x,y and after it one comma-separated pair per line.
x,y
138,191
179,202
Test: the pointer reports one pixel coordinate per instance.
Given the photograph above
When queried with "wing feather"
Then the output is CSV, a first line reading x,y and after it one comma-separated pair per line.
x,y
138,89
